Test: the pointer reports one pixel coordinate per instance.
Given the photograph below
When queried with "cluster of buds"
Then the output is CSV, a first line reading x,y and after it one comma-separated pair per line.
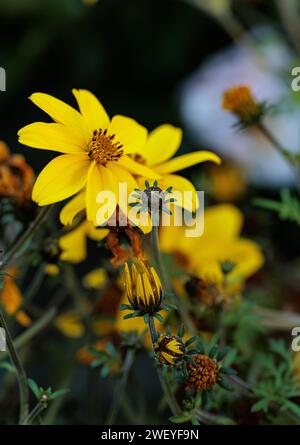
x,y
240,101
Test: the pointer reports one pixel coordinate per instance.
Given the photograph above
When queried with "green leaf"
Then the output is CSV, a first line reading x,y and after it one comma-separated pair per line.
x,y
8,367
288,208
34,388
59,393
293,407
181,418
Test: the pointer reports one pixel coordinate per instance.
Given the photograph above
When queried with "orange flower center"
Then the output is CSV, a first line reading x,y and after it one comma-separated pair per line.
x,y
103,148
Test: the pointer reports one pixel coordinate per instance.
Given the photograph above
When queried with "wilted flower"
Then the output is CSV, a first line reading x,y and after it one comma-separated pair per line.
x,y
143,287
169,349
203,373
16,176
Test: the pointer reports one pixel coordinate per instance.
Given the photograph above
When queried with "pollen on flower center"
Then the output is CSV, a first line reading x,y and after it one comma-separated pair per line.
x,y
103,148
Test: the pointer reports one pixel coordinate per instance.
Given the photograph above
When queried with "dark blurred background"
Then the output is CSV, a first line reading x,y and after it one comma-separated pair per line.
x,y
132,54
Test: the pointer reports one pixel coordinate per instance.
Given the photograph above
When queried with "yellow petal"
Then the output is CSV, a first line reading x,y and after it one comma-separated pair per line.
x,y
91,109
73,245
62,113
188,200
105,204
95,279
136,168
162,144
123,177
95,233
187,160
70,325
55,137
72,208
93,187
223,221
23,318
128,133
61,178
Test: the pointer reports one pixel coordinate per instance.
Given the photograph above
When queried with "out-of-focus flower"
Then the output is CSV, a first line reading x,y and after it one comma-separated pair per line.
x,y
11,298
95,151
143,287
95,279
239,100
73,245
203,373
206,293
227,182
16,176
220,244
264,74
169,349
52,269
70,324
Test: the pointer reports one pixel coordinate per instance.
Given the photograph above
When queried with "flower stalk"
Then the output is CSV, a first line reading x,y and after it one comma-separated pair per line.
x,y
21,374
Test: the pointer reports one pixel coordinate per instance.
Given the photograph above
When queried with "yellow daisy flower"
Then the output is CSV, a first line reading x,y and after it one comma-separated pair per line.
x,y
220,244
95,150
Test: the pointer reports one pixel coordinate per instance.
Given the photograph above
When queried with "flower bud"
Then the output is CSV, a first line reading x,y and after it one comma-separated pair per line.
x,y
203,373
143,287
169,349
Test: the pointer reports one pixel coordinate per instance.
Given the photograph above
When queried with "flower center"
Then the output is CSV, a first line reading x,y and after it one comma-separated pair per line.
x,y
103,148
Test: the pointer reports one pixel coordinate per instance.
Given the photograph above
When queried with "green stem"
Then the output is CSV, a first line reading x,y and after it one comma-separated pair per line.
x,y
33,330
282,151
166,283
170,397
37,410
21,374
25,237
120,388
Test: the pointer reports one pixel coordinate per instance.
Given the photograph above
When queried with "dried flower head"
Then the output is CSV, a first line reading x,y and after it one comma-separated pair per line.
x,y
203,373
143,287
169,349
16,176
240,101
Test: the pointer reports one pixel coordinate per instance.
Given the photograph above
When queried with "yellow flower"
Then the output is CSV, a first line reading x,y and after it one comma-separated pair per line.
x,y
95,150
162,144
95,279
74,243
11,299
52,270
143,287
219,245
70,325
